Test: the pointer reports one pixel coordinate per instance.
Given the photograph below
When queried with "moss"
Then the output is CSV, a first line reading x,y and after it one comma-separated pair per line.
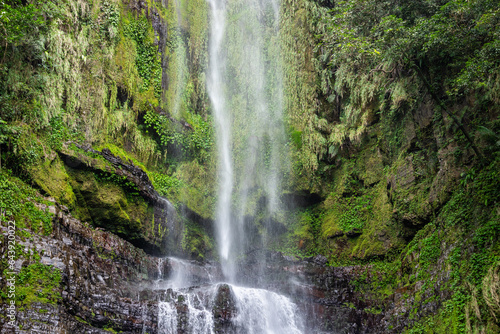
x,y
108,205
381,233
196,243
81,320
20,202
125,56
359,204
370,162
199,192
38,283
109,328
53,179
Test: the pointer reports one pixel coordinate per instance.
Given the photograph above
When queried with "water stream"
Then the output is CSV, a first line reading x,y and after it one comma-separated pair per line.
x,y
193,302
245,90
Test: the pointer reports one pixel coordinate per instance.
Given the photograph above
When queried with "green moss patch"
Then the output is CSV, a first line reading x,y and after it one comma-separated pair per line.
x,y
53,179
20,203
38,283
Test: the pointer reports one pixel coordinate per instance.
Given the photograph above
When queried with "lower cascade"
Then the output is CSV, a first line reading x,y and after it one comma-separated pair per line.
x,y
217,307
248,107
263,311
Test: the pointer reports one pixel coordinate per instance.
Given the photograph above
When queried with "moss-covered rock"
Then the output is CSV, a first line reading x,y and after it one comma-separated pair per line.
x,y
199,190
52,177
107,205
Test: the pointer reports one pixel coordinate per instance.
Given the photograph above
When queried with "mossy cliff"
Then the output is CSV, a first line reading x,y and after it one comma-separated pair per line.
x,y
393,131
121,76
395,125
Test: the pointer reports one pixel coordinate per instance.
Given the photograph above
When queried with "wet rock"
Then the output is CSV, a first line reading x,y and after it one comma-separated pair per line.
x,y
336,234
108,206
224,309
102,276
319,260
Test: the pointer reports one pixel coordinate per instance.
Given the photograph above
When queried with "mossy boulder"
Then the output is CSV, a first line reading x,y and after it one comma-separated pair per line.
x,y
107,205
114,194
51,176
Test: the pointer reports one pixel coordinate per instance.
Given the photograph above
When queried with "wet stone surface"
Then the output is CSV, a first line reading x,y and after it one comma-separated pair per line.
x,y
110,285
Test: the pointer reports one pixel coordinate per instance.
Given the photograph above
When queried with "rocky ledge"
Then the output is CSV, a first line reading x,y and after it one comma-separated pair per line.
x,y
101,276
109,285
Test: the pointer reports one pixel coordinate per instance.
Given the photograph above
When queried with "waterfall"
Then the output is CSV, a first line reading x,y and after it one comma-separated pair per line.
x,y
185,306
167,316
189,305
245,89
262,311
223,123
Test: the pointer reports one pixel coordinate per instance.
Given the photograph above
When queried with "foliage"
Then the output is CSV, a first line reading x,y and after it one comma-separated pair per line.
x,y
108,26
354,217
129,187
165,185
147,61
381,59
196,242
474,230
58,133
304,235
430,250
19,19
195,141
17,203
38,283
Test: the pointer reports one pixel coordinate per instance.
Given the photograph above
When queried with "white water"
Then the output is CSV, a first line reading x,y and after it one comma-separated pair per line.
x,y
167,318
223,126
190,308
197,302
245,90
262,311
257,311
182,274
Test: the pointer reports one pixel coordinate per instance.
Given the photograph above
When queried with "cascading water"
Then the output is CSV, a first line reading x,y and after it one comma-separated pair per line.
x,y
262,311
245,90
223,126
167,315
190,302
182,306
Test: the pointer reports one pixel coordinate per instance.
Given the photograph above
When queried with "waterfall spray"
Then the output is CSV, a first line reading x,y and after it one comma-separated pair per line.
x,y
245,89
223,126
244,86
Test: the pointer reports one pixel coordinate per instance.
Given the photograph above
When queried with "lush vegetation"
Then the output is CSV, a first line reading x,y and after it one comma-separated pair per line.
x,y
384,59
392,120
101,75
24,206
396,124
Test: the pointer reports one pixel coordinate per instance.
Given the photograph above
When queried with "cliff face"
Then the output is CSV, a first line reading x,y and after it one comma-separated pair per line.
x,y
98,279
106,76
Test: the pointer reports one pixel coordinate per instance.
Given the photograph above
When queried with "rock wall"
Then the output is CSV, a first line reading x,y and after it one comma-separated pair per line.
x,y
102,277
